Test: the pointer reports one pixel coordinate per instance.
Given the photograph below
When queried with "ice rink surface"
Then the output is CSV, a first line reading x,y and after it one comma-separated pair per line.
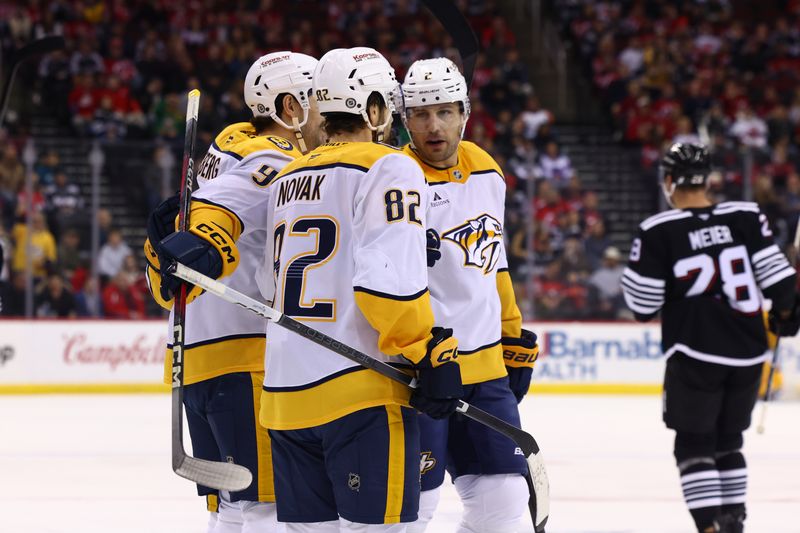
x,y
100,463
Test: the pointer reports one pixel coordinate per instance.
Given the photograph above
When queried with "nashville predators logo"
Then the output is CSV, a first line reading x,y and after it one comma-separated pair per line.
x,y
480,240
426,462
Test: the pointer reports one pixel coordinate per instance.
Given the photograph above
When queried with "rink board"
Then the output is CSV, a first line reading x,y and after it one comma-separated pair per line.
x,y
46,356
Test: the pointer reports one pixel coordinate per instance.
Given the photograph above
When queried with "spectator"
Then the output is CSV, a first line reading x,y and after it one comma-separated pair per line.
x,y
112,255
63,203
5,255
86,60
12,295
104,223
749,129
605,285
555,166
12,176
596,242
533,116
119,301
69,254
42,246
88,300
55,300
47,167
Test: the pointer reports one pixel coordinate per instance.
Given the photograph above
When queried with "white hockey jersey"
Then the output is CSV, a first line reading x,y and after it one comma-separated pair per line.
x,y
470,287
221,337
349,249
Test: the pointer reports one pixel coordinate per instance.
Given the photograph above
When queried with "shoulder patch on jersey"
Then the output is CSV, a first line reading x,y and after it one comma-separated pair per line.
x,y
666,216
281,143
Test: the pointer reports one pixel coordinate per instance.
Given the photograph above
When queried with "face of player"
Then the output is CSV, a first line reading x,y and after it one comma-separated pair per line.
x,y
436,132
312,130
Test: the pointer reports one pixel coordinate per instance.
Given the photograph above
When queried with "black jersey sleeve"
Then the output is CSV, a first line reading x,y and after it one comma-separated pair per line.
x,y
775,276
644,279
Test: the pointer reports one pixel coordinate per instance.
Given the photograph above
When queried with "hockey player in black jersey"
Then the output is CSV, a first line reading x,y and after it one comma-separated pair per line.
x,y
707,268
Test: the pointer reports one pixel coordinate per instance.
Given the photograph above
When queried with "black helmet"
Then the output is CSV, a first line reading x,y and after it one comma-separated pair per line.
x,y
687,163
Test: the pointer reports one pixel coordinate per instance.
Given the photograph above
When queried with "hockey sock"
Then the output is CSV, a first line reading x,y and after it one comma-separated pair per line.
x,y
701,490
733,479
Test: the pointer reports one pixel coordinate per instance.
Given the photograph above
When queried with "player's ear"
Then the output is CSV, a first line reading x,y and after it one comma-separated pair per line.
x,y
291,106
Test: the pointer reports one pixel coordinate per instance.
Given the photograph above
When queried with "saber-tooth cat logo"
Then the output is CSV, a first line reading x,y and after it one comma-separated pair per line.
x,y
480,240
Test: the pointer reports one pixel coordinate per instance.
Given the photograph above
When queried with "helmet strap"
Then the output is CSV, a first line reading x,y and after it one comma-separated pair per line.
x,y
299,134
668,192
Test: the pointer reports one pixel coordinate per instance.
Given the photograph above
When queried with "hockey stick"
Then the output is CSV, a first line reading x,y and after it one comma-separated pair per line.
x,y
537,474
775,356
29,51
214,474
460,30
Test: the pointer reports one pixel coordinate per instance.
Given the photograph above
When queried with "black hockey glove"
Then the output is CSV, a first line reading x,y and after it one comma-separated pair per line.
x,y
192,251
439,388
432,245
161,221
519,355
786,325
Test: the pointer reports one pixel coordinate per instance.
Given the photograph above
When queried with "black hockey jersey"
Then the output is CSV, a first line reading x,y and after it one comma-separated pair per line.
x,y
708,270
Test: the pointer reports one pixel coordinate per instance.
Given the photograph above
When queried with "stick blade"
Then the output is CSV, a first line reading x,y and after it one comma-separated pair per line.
x,y
460,30
539,485
216,475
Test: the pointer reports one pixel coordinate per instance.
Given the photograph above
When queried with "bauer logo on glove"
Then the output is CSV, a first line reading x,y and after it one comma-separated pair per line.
x,y
522,351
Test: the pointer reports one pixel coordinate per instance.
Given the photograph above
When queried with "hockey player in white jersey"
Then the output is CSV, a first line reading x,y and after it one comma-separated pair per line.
x,y
349,257
224,356
471,292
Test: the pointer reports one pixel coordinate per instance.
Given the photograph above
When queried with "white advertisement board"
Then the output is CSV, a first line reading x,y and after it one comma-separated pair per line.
x,y
81,355
105,355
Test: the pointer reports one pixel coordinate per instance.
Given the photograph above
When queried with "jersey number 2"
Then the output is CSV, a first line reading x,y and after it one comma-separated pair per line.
x,y
326,232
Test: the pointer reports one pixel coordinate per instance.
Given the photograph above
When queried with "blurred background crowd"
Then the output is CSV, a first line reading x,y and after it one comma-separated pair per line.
x,y
665,71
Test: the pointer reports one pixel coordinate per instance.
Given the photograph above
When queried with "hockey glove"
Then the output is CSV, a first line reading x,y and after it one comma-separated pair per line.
x,y
786,324
161,221
432,245
439,388
519,355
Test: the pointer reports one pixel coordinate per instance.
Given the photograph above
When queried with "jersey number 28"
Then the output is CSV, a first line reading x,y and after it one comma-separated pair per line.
x,y
735,272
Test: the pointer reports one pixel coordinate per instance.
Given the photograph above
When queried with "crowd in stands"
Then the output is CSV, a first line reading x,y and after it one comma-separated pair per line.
x,y
126,70
723,73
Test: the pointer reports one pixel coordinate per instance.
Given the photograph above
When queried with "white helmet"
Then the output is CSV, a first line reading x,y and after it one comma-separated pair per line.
x,y
345,77
274,74
435,81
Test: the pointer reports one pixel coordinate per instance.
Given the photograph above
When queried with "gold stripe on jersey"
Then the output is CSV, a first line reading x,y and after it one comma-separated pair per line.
x,y
399,321
207,359
240,140
357,155
335,396
472,160
484,364
509,312
395,478
265,475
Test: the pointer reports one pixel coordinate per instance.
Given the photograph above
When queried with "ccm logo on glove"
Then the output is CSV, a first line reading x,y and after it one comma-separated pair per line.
x,y
218,239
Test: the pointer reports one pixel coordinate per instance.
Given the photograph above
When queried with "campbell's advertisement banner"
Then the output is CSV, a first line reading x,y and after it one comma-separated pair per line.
x,y
81,352
94,355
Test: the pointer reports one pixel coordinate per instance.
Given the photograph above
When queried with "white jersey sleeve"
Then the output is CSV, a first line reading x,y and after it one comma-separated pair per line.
x,y
390,218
